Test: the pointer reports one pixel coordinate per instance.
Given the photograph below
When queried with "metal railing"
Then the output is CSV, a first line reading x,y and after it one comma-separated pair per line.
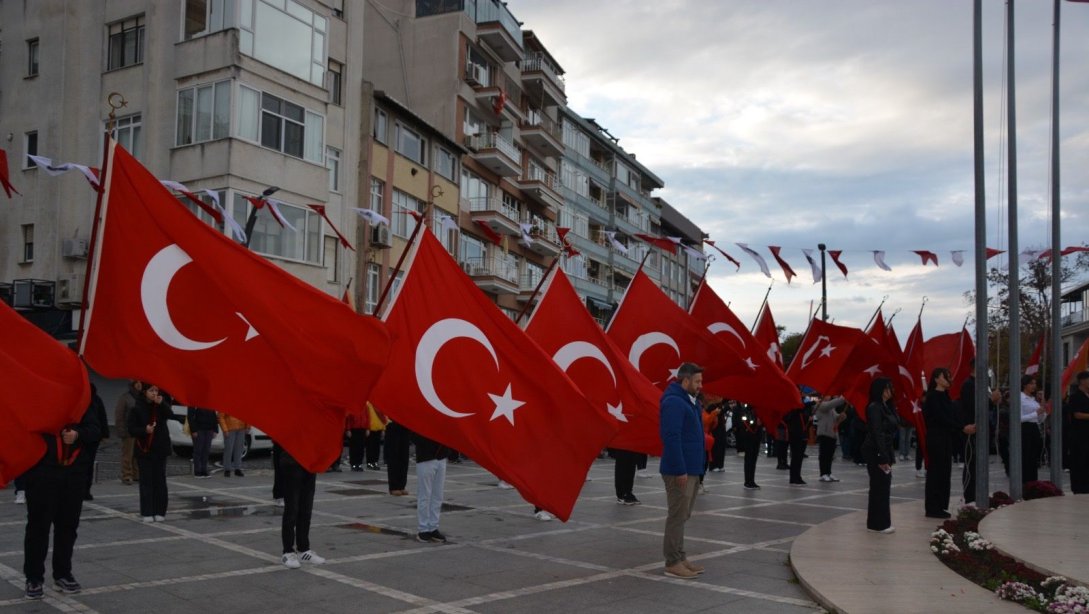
x,y
536,119
493,266
493,140
536,173
493,203
538,61
484,11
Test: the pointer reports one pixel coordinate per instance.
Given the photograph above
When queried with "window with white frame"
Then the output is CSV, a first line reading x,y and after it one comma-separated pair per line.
x,y
332,162
381,126
32,48
402,220
284,34
575,139
281,125
126,131
204,113
330,258
374,287
30,148
268,237
126,43
336,82
201,214
473,250
378,193
204,17
447,233
446,164
28,243
473,188
410,144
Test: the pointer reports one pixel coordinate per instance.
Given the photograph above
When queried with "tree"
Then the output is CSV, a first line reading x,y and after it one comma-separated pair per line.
x,y
789,347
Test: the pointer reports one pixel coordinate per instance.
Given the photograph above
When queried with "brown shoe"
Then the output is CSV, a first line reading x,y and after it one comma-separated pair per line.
x,y
696,569
679,570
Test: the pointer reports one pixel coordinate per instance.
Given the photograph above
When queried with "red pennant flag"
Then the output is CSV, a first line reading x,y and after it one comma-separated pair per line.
x,y
658,336
953,351
789,272
766,334
724,254
1033,366
1079,363
5,179
566,331
769,390
463,374
991,252
492,235
218,326
664,243
320,209
567,247
43,387
927,256
835,254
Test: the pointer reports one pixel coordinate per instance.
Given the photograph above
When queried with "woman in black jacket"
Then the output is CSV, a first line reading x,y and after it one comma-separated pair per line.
x,y
877,450
147,425
942,425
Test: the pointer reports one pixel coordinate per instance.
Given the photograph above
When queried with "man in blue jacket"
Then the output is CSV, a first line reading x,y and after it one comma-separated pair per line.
x,y
683,459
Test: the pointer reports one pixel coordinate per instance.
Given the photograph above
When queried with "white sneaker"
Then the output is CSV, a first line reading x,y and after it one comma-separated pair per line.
x,y
832,478
20,497
278,502
290,560
885,531
920,473
148,519
159,518
311,557
505,485
643,473
543,515
702,489
825,478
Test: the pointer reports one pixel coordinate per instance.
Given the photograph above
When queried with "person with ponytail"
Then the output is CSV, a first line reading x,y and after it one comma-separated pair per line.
x,y
943,423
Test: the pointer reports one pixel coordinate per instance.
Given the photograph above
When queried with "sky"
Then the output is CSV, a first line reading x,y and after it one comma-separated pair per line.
x,y
776,122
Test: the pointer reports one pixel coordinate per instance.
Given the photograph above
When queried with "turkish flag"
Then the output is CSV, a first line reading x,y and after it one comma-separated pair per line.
x,y
176,303
5,180
567,332
1078,363
668,244
953,351
463,374
831,359
915,365
1033,366
43,387
870,361
658,336
768,389
766,334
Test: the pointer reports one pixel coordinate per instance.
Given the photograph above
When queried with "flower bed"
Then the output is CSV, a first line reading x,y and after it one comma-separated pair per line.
x,y
959,545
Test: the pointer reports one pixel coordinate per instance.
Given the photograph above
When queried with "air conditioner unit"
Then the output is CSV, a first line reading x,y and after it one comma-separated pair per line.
x,y
70,289
476,74
467,267
74,248
381,236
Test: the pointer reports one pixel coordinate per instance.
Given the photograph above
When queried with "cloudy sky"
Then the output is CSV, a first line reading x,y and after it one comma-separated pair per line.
x,y
844,122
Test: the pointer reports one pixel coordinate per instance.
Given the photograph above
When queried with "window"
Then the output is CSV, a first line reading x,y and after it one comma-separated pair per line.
x,y
473,249
32,57
126,131
381,126
575,139
374,288
201,214
203,17
446,230
336,76
284,126
126,43
28,243
286,35
473,188
378,189
331,258
402,221
410,144
302,244
332,162
204,113
30,146
445,163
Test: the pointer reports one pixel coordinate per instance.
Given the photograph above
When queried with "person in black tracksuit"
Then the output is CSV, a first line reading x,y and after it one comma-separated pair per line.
x,y
624,474
55,488
749,431
90,448
396,453
148,426
203,426
797,424
876,448
942,424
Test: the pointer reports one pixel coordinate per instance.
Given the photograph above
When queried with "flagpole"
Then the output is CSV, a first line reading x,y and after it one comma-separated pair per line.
x,y
401,259
1056,271
876,311
536,290
889,321
703,279
1016,475
763,304
824,283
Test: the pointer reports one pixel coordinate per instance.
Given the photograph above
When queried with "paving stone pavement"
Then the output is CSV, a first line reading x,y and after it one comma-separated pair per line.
x,y
220,546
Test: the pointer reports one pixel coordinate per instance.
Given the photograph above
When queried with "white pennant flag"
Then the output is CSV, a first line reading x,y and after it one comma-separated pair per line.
x,y
958,257
763,264
274,208
818,272
59,169
446,222
527,240
372,216
879,259
617,245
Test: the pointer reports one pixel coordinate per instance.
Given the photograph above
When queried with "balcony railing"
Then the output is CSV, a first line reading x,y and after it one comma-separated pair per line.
x,y
544,230
484,11
492,140
494,266
1076,317
530,281
536,119
493,203
540,62
536,173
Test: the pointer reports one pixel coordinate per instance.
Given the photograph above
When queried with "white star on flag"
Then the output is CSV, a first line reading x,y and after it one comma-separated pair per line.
x,y
748,361
617,411
827,351
505,405
873,370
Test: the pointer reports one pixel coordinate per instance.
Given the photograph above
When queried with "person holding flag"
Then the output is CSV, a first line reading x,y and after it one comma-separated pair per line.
x,y
147,425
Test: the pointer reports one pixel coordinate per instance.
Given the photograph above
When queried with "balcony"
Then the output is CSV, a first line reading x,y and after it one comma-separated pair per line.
x,y
528,283
497,27
542,135
543,81
546,241
495,152
493,274
542,186
492,211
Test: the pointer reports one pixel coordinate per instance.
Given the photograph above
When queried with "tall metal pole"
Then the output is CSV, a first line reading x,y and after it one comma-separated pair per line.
x,y
1056,452
824,284
1015,266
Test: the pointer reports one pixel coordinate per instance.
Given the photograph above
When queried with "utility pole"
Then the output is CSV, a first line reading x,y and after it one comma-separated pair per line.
x,y
824,283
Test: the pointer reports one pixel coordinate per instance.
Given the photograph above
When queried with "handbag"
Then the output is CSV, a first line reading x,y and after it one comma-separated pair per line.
x,y
185,427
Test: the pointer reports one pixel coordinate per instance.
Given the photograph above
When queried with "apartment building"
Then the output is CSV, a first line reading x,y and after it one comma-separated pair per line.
x,y
681,272
233,96
1075,320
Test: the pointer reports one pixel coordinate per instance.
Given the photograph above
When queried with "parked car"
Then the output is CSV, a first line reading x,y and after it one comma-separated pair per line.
x,y
256,439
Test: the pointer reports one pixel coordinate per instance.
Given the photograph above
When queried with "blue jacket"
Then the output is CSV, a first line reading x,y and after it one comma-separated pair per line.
x,y
682,433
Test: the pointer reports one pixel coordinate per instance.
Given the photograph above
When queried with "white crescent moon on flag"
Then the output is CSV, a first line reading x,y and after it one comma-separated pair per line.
x,y
158,274
722,327
646,341
575,350
430,343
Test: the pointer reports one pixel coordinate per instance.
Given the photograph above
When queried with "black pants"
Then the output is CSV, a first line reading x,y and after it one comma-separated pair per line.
x,y
938,475
54,499
797,454
781,447
397,440
357,446
90,450
1030,451
277,475
878,515
750,445
827,453
374,447
968,476
624,472
718,452
298,505
153,495
1079,463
